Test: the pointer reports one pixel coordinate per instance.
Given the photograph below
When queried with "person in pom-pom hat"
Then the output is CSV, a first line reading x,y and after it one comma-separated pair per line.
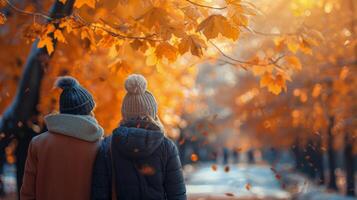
x,y
138,162
60,161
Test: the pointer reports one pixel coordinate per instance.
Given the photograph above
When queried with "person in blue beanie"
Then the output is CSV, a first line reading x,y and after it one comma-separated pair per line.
x,y
60,161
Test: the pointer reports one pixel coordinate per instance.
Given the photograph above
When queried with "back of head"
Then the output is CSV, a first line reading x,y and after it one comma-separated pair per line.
x,y
74,98
138,102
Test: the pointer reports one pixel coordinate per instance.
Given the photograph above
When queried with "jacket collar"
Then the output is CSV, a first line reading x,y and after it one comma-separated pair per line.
x,y
83,127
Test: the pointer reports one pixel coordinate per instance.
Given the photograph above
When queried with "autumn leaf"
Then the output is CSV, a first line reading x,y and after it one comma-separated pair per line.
x,y
68,23
294,62
139,45
226,169
266,80
259,70
46,42
155,17
274,84
166,50
194,157
80,3
192,43
305,47
214,25
214,167
248,186
293,45
59,36
2,18
3,3
62,1
119,66
147,170
228,194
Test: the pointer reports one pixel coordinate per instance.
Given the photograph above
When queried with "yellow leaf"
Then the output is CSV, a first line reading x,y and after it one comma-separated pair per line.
x,y
274,85
214,25
46,42
274,88
50,28
294,62
2,18
151,58
63,1
59,36
293,46
80,3
68,24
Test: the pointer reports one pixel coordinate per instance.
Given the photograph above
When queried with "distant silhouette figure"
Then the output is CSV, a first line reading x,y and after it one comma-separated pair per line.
x,y
225,155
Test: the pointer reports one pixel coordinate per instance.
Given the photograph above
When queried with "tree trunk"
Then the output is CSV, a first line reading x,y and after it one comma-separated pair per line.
x,y
349,166
297,152
310,160
23,109
331,156
320,161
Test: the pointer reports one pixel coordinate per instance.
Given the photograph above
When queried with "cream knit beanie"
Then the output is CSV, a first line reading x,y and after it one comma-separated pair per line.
x,y
138,102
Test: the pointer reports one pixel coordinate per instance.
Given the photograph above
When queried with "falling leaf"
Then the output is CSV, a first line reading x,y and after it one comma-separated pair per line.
x,y
229,194
226,169
147,170
248,186
214,167
182,141
194,157
46,42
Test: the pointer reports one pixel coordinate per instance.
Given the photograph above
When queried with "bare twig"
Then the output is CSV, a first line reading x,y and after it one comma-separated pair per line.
x,y
267,34
27,12
206,6
271,61
114,33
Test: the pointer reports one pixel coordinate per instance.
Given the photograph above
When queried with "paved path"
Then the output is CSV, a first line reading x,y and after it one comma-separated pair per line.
x,y
239,182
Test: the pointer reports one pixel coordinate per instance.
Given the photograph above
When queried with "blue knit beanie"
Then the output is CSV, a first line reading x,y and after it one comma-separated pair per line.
x,y
74,98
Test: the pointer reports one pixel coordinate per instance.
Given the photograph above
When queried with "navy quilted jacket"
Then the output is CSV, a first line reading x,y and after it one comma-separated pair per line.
x,y
146,167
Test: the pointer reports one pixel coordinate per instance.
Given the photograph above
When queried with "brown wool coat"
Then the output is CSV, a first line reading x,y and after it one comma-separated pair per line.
x,y
59,164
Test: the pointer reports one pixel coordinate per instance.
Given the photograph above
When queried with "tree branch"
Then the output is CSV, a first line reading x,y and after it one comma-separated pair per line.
x,y
271,61
27,12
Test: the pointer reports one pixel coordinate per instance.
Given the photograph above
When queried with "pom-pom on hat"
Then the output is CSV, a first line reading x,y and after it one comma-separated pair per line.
x,y
74,98
138,101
